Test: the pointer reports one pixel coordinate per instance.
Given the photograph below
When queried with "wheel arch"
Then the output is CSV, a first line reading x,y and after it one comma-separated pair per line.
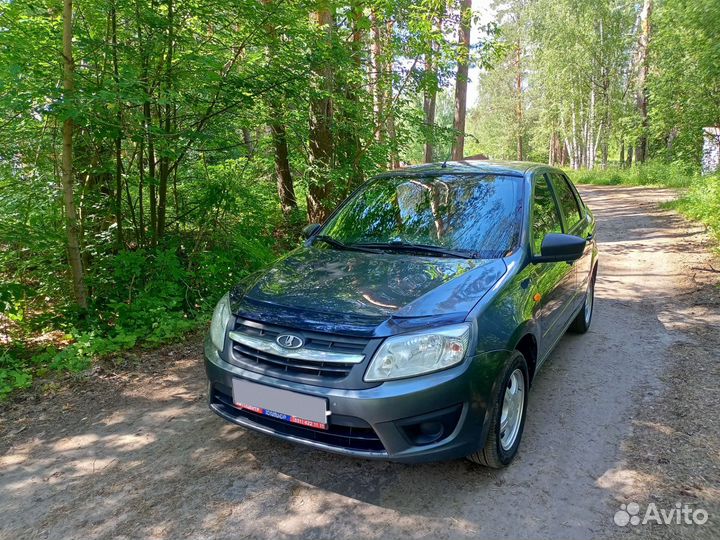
x,y
525,339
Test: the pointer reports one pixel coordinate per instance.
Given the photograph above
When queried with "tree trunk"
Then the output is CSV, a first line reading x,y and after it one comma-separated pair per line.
x,y
628,162
429,104
321,146
147,121
604,151
147,136
622,154
285,186
590,142
141,185
555,151
519,102
608,120
71,221
376,76
575,156
389,102
152,178
118,136
356,47
248,142
165,159
430,95
641,96
458,150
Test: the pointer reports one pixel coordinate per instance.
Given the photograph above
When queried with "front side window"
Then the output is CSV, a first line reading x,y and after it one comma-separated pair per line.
x,y
567,200
479,213
546,218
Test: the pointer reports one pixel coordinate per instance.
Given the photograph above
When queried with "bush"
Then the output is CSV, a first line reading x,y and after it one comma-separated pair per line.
x,y
144,297
13,374
141,296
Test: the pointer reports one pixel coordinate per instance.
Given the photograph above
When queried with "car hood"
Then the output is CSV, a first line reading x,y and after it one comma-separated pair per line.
x,y
371,286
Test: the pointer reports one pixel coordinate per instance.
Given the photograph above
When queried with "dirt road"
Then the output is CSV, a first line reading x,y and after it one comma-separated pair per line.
x,y
627,412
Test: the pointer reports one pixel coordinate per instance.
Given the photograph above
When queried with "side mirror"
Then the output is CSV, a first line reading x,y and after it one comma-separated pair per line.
x,y
311,229
560,248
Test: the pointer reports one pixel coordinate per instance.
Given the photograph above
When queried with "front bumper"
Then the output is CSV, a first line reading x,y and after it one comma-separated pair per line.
x,y
438,416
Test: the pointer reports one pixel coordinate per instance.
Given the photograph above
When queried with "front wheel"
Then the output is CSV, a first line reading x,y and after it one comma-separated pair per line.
x,y
508,417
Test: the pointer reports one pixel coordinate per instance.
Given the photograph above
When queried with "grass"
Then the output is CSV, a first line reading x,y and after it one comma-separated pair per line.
x,y
653,173
701,202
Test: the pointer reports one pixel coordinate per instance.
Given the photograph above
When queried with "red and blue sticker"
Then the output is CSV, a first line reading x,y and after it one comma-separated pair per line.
x,y
282,416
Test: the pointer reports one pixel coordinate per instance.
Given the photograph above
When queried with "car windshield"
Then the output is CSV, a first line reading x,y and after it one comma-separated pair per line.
x,y
476,214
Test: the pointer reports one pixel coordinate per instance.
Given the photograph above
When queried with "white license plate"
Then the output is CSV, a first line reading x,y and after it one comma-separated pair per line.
x,y
281,404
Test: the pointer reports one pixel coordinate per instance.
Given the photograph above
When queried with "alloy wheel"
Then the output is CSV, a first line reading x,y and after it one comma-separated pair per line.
x,y
512,409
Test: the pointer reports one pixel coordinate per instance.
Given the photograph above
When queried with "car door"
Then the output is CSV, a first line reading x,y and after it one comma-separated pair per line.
x,y
587,231
575,222
555,282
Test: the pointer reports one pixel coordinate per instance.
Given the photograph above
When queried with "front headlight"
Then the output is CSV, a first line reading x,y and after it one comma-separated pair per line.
x,y
220,318
408,355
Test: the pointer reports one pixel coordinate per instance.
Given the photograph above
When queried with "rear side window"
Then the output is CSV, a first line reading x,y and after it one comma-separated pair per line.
x,y
545,213
568,202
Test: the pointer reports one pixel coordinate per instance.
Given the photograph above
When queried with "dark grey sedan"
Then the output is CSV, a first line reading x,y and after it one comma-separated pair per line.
x,y
410,325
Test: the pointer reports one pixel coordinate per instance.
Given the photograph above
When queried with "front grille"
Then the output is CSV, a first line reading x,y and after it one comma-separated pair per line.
x,y
314,341
321,369
359,437
249,356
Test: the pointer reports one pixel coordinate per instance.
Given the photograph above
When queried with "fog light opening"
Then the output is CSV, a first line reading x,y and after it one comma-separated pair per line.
x,y
429,432
431,427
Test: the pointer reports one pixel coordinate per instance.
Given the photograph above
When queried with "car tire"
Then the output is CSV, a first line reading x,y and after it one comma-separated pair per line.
x,y
506,422
581,323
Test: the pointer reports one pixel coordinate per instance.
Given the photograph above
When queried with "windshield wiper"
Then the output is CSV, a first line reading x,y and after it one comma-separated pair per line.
x,y
337,244
422,248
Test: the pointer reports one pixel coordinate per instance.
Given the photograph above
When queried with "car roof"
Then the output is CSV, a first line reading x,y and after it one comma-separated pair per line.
x,y
508,168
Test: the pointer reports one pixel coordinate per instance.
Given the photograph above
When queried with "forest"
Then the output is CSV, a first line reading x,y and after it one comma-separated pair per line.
x,y
153,152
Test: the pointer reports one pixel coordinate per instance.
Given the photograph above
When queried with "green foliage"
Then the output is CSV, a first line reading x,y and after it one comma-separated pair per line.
x,y
146,296
579,70
685,86
13,374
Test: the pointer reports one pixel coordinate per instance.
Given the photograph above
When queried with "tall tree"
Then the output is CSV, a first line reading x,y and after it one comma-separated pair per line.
x,y
432,59
165,169
321,112
118,134
461,78
377,72
147,137
71,221
283,173
394,161
429,104
285,186
641,91
519,106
